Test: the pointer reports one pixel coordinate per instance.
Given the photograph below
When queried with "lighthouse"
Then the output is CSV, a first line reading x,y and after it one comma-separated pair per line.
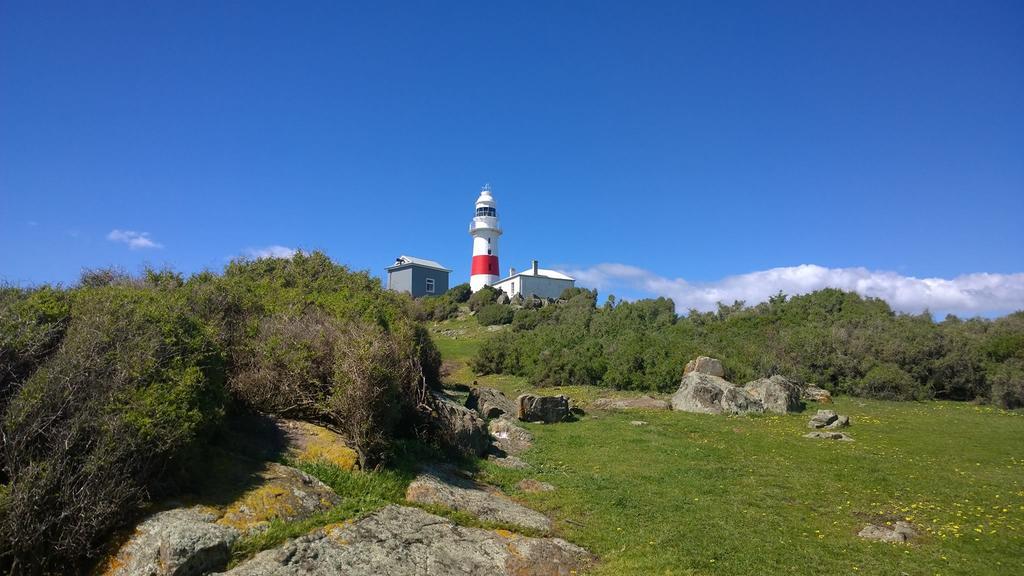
x,y
485,231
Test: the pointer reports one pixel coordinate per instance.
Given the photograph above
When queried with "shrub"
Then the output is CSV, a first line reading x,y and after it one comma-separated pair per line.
x,y
492,314
107,421
1008,384
32,323
890,382
483,297
459,293
436,308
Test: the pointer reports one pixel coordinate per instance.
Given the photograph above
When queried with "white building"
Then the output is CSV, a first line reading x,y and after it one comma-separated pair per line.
x,y
535,282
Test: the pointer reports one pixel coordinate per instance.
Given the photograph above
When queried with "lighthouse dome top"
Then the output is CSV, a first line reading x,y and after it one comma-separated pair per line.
x,y
485,199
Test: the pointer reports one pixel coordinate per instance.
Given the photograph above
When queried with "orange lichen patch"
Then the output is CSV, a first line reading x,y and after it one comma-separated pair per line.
x,y
113,565
508,534
311,443
284,493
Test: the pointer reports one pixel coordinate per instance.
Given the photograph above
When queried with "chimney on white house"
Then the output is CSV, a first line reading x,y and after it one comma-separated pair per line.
x,y
511,272
535,268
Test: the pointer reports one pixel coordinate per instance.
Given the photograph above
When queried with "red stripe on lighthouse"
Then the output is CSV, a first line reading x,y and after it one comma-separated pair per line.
x,y
485,264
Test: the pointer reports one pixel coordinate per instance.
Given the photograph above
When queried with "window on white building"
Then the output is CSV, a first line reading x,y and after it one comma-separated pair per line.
x,y
430,285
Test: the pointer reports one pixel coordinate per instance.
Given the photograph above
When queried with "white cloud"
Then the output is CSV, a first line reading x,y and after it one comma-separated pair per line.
x,y
134,240
968,294
274,251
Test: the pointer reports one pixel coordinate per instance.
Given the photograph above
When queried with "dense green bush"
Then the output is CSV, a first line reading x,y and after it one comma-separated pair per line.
x,y
460,293
116,384
483,297
107,421
493,314
835,339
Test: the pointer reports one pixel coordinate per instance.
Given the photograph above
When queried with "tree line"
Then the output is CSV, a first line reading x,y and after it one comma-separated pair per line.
x,y
838,340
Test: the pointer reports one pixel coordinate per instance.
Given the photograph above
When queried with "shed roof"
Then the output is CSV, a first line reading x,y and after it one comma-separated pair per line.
x,y
404,260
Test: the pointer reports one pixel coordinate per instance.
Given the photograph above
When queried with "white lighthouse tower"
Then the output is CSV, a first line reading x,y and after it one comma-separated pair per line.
x,y
485,231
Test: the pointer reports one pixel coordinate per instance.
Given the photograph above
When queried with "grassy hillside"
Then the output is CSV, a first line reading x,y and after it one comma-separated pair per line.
x,y
702,494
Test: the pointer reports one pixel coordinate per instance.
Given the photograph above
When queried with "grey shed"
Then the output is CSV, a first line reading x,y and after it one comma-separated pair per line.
x,y
417,276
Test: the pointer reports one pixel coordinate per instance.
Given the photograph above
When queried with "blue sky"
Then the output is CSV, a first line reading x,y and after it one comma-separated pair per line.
x,y
700,150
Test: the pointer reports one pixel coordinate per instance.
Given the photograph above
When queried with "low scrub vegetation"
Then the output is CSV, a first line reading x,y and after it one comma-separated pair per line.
x,y
835,339
109,390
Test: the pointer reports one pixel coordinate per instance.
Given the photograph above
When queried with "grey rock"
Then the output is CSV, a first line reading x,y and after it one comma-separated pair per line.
x,y
829,436
641,403
490,403
281,493
532,486
704,393
547,409
705,365
179,542
447,487
899,532
637,423
459,427
508,461
840,422
404,541
822,418
503,298
778,394
812,393
508,437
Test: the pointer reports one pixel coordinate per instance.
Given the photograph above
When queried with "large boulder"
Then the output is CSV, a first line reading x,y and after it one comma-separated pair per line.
x,y
179,542
509,438
641,403
812,393
458,427
281,493
547,409
777,394
705,365
404,541
449,487
490,403
699,392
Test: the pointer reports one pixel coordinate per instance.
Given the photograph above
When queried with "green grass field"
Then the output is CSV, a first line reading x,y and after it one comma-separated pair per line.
x,y
703,494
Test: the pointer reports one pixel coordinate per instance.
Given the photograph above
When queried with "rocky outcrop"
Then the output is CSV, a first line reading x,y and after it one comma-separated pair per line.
x,y
449,487
828,419
699,392
641,403
490,403
458,427
777,394
403,541
705,365
899,532
509,438
179,542
829,436
198,539
547,409
812,393
282,493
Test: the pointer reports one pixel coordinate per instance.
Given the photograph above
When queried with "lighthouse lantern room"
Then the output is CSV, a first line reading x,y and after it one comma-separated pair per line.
x,y
485,231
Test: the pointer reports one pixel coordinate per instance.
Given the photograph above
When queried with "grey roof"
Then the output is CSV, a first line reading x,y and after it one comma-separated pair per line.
x,y
404,260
